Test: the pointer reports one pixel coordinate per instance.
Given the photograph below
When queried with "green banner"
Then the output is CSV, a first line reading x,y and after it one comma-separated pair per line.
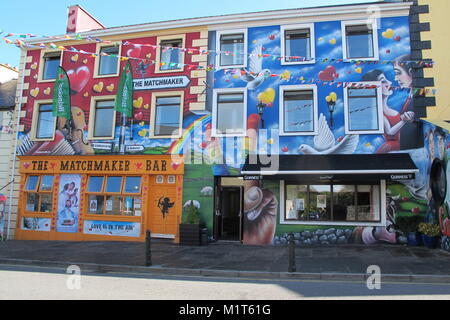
x,y
61,95
124,99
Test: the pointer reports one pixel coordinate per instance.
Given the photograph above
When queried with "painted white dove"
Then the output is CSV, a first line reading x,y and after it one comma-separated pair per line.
x,y
256,75
325,143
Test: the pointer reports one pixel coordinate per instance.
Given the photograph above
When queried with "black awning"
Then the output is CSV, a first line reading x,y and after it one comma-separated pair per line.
x,y
394,166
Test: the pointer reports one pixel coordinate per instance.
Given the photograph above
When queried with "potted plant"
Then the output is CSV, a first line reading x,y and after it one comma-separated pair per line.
x,y
190,229
409,226
430,233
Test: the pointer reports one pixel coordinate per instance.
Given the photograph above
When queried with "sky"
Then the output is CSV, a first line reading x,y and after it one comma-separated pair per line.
x,y
49,17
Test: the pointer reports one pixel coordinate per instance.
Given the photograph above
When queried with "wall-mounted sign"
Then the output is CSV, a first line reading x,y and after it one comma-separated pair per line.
x,y
402,177
253,178
161,83
112,228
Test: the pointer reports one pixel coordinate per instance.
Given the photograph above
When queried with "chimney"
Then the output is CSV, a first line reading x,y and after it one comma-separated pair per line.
x,y
80,20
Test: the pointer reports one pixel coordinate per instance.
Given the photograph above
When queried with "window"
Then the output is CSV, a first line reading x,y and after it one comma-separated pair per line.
x,y
170,54
114,195
167,118
233,48
44,123
332,202
361,40
363,109
229,114
166,114
298,46
38,194
102,118
298,111
109,61
50,62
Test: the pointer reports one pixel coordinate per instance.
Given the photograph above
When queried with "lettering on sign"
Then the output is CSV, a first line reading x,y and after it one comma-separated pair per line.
x,y
161,83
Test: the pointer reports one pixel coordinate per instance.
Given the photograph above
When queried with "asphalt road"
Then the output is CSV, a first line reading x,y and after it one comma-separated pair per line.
x,y
29,283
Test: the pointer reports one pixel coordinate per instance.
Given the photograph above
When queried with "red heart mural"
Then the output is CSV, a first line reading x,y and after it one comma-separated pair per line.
x,y
329,74
139,165
175,165
134,52
26,165
79,78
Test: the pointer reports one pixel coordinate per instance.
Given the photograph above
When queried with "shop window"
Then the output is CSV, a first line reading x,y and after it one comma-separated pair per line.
x,y
298,112
361,40
114,195
363,109
233,48
102,118
50,61
38,192
229,112
332,202
297,44
43,123
170,54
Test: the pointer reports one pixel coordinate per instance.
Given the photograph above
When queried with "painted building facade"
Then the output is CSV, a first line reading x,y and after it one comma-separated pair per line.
x,y
297,120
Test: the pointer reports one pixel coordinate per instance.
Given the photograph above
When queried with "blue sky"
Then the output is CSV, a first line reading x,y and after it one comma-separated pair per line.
x,y
45,17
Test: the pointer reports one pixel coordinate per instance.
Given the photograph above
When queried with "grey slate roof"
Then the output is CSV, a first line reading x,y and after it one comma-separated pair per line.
x,y
8,94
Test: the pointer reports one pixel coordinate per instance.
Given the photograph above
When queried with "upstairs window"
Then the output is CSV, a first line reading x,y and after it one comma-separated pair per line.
x,y
298,112
233,47
361,40
43,123
102,118
298,44
171,54
166,114
363,109
229,113
109,61
51,61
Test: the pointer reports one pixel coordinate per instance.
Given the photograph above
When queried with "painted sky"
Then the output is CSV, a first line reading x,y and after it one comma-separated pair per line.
x,y
49,17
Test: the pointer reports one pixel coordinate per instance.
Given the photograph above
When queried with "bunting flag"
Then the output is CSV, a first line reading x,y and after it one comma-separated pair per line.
x,y
124,100
61,95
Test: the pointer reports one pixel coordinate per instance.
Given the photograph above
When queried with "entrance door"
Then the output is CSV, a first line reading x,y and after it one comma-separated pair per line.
x,y
231,214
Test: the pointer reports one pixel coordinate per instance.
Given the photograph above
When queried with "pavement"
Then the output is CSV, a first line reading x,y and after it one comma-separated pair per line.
x,y
339,263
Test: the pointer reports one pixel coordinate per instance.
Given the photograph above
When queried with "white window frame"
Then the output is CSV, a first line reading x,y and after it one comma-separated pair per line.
x,y
218,48
35,119
40,78
376,50
214,112
383,216
154,99
312,44
379,106
315,110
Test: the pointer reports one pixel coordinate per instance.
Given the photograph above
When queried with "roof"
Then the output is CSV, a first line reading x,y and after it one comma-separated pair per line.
x,y
8,94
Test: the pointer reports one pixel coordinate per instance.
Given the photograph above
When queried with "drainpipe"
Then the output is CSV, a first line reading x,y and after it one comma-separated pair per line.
x,y
11,188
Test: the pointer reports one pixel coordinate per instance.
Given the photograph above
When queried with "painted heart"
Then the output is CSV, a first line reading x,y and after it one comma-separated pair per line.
x,y
267,97
26,165
134,52
329,74
358,70
98,87
272,37
47,91
34,93
86,94
398,38
74,58
142,123
388,34
34,66
142,133
139,165
138,103
110,88
285,149
139,116
149,56
174,165
146,106
79,78
52,165
85,61
333,41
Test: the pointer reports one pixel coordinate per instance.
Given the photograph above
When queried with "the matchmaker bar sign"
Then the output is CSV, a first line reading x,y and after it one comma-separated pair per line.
x,y
153,165
161,83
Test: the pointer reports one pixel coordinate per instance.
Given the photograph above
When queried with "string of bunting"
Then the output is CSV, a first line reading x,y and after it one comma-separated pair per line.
x,y
19,42
283,76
